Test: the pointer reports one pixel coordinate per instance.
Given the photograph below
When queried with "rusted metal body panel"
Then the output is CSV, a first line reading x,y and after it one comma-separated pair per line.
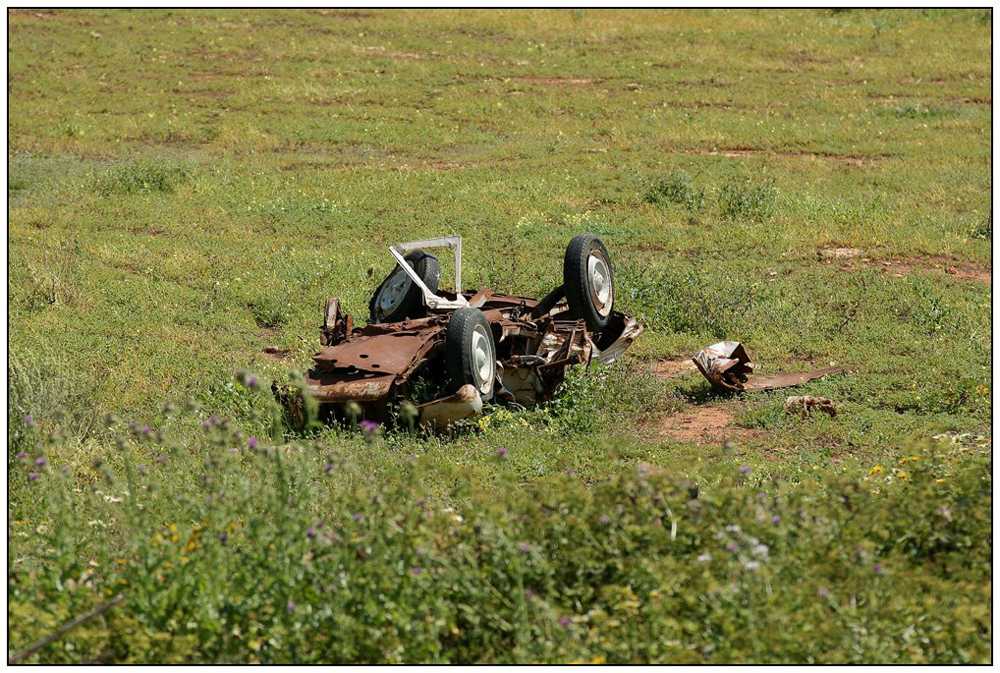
x,y
727,367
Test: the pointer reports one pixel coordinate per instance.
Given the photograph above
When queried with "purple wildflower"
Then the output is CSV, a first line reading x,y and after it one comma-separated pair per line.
x,y
29,421
565,621
416,570
32,476
21,455
502,452
328,468
40,461
147,431
744,469
311,533
252,442
775,519
368,426
223,537
358,517
732,547
251,381
290,606
877,569
524,547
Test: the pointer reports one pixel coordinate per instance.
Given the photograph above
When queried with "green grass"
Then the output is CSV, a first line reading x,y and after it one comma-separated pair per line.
x,y
187,187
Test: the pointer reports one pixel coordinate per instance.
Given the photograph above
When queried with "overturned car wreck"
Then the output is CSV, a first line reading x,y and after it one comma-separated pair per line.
x,y
462,348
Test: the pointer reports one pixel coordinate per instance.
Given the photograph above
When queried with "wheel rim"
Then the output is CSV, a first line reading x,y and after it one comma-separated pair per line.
x,y
393,293
601,289
483,360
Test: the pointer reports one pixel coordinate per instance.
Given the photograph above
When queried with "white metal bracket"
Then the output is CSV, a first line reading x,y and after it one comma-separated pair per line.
x,y
432,300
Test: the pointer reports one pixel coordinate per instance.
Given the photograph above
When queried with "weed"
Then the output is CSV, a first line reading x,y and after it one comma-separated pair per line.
x,y
677,188
748,201
144,176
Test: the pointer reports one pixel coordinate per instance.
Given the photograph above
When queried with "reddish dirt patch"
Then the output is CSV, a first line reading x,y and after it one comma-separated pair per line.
x,y
554,81
276,352
744,152
671,369
699,425
904,266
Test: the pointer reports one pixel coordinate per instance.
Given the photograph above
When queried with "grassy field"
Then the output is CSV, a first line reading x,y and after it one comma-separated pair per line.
x,y
187,187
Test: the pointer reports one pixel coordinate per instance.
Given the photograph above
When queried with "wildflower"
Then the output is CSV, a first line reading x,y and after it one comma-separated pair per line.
x,y
251,382
252,443
32,476
502,452
223,537
604,520
760,550
416,570
822,592
775,519
732,547
565,622
524,547
705,558
40,461
875,471
368,426
744,469
751,565
29,421
311,533
21,455
358,517
328,468
290,606
877,569
733,528
146,431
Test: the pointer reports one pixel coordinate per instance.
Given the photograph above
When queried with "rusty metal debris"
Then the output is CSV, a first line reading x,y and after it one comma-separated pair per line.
x,y
728,367
452,351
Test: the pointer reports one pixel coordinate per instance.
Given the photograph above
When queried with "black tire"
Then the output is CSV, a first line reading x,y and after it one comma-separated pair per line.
x,y
584,291
470,353
411,304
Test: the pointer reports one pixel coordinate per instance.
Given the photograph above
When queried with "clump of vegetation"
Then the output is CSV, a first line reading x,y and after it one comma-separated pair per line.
x,y
225,547
918,111
984,230
748,200
678,188
141,176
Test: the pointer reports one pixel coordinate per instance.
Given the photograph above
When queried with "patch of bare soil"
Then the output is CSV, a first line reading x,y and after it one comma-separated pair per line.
x,y
744,152
276,352
699,425
904,266
554,81
671,369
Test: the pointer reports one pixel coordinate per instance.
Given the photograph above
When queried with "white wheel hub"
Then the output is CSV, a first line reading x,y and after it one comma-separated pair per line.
x,y
392,295
483,360
601,288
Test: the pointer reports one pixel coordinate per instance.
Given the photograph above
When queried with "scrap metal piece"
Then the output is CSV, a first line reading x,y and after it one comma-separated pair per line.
x,y
445,411
726,365
775,381
630,332
336,325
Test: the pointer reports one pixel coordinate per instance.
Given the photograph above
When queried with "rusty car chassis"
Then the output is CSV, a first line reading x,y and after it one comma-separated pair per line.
x,y
468,347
